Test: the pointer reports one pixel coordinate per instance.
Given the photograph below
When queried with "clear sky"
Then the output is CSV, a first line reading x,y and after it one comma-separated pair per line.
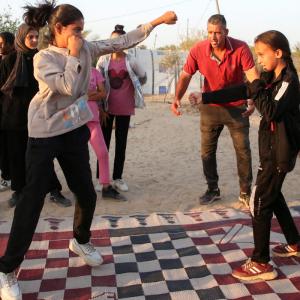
x,y
245,18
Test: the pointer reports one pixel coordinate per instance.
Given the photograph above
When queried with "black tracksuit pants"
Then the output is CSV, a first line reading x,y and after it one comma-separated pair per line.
x,y
267,199
16,145
121,134
71,151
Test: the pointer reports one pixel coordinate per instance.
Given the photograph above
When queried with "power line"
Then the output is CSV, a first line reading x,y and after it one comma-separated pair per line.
x,y
204,12
136,12
202,15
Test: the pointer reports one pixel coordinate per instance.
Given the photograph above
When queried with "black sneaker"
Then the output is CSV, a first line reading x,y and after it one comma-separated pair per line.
x,y
245,199
12,202
210,196
111,193
58,198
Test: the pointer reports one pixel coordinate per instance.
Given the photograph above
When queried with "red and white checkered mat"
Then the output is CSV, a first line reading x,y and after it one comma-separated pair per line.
x,y
161,256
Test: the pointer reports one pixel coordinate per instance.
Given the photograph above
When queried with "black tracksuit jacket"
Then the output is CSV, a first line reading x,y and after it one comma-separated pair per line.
x,y
279,105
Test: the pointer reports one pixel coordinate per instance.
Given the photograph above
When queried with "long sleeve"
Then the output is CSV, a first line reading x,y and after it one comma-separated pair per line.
x,y
6,67
125,41
138,70
100,64
230,94
59,79
274,107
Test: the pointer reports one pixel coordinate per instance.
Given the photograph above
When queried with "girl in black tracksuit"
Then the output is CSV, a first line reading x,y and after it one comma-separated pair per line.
x,y
277,97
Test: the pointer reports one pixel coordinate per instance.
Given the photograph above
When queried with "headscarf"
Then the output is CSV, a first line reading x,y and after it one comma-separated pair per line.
x,y
19,74
8,38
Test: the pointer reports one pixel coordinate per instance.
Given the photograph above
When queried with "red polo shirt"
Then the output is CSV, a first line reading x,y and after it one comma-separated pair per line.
x,y
217,75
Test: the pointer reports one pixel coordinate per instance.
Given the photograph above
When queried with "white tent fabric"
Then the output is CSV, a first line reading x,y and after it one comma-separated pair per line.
x,y
159,79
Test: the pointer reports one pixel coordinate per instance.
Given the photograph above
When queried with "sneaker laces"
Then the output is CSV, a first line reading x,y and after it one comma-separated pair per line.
x,y
3,182
10,279
89,248
57,194
248,264
289,248
208,192
113,190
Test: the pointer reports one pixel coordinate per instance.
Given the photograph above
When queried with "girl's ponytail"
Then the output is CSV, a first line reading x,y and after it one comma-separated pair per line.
x,y
290,64
50,14
38,16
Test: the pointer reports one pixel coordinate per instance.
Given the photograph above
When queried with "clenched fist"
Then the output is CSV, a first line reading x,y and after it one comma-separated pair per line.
x,y
74,45
195,98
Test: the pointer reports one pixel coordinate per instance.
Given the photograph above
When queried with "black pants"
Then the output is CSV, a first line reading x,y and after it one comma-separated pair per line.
x,y
71,150
16,148
121,133
213,120
4,162
267,199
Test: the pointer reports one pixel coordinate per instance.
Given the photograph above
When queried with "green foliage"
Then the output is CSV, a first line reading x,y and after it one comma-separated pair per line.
x,y
142,47
169,47
171,61
7,22
188,42
297,50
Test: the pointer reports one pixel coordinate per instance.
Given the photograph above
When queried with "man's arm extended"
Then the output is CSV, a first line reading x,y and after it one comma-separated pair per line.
x,y
182,85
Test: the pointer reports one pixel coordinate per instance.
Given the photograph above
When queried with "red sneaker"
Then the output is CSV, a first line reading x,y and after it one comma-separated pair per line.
x,y
252,270
284,250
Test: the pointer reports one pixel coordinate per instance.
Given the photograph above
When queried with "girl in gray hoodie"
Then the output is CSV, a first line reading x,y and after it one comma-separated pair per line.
x,y
56,125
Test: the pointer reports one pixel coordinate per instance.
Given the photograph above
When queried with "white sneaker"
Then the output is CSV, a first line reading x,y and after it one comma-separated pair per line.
x,y
9,287
98,187
4,185
121,185
87,252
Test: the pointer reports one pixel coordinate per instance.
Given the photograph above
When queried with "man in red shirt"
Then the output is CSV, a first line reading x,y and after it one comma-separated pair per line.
x,y
223,61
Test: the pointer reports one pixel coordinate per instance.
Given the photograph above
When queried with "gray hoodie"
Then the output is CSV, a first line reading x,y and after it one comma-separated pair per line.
x,y
60,105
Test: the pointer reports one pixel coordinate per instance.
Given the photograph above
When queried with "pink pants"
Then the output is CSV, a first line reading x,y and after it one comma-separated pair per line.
x,y
100,149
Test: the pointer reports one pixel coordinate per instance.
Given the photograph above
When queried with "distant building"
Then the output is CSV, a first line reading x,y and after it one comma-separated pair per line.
x,y
162,79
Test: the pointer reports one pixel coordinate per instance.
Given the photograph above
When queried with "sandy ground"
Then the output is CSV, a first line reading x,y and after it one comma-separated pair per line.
x,y
163,167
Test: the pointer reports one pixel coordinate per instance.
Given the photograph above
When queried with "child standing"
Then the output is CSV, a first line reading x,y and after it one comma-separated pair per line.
x,y
96,95
56,124
276,96
123,79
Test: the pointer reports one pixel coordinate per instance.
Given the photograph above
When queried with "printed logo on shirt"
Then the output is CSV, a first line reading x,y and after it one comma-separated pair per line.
x,y
74,113
116,78
282,90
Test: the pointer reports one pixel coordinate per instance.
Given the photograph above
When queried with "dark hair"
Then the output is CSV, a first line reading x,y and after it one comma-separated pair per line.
x,y
217,19
7,37
119,29
277,40
48,13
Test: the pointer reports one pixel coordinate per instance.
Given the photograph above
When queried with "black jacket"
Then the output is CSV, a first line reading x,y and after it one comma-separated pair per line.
x,y
279,130
278,102
15,107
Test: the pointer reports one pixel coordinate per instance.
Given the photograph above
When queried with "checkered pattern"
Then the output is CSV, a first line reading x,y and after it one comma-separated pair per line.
x,y
158,256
